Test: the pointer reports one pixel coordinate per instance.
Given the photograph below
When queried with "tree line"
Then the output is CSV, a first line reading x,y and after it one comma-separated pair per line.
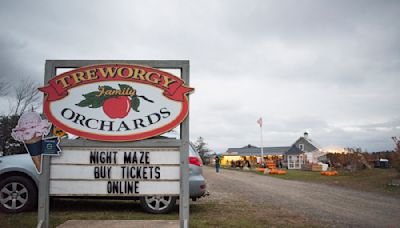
x,y
21,97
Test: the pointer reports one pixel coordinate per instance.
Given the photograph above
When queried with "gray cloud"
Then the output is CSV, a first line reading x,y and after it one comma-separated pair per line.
x,y
328,67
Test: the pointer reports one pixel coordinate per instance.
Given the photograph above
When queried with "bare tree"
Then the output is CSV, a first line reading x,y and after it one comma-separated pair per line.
x,y
3,87
26,96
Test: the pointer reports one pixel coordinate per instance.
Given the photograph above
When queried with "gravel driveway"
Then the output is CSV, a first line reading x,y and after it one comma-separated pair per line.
x,y
332,206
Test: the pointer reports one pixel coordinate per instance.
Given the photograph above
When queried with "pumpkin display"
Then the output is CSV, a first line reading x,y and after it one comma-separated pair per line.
x,y
329,173
271,164
261,170
273,171
277,171
281,172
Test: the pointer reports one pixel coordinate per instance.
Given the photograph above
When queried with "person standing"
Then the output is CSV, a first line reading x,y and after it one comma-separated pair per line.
x,y
217,163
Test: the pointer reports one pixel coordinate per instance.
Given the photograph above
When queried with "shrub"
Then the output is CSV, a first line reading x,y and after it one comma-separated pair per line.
x,y
395,158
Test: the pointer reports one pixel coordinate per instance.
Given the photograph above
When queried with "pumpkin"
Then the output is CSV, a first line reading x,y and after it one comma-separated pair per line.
x,y
281,172
261,170
277,171
329,173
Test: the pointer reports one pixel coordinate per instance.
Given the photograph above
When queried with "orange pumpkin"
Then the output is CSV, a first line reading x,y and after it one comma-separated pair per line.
x,y
281,172
329,173
261,170
277,171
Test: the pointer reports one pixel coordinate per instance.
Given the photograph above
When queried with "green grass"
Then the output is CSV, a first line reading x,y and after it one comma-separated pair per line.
x,y
371,180
82,209
207,214
243,214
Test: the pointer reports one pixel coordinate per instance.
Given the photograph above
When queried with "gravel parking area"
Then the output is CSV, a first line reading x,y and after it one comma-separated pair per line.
x,y
330,206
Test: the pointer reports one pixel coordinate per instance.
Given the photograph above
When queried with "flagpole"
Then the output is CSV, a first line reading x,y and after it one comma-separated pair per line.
x,y
262,149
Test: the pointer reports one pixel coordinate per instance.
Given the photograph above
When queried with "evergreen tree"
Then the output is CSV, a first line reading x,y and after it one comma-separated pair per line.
x,y
7,144
201,147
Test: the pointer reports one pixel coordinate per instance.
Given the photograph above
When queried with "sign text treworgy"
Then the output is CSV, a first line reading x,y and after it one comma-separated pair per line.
x,y
116,102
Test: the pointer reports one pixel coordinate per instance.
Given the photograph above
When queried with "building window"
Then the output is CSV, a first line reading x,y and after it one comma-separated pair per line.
x,y
301,146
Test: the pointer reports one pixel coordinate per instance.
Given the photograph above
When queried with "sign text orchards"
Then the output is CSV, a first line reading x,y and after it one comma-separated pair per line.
x,y
116,102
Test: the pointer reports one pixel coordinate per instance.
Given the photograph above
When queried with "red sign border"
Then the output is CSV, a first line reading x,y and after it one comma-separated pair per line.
x,y
119,138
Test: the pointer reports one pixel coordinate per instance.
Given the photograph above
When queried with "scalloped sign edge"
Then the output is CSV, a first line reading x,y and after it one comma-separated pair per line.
x,y
173,87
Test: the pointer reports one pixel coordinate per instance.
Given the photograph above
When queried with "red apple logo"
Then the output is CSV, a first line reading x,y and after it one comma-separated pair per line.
x,y
116,103
117,107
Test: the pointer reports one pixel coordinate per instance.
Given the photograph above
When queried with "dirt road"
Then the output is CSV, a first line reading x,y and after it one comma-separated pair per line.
x,y
331,206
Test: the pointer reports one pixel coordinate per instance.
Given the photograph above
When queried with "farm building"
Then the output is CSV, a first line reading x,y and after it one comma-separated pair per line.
x,y
303,150
253,154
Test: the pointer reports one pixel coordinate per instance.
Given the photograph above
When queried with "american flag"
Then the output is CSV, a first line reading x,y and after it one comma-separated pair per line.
x,y
260,122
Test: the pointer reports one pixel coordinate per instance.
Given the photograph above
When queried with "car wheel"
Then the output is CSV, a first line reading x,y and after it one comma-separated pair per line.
x,y
17,194
158,204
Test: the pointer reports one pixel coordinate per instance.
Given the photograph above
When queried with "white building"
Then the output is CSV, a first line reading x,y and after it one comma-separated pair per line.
x,y
302,151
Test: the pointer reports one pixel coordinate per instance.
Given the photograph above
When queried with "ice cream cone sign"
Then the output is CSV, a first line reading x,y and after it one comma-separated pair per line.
x,y
30,130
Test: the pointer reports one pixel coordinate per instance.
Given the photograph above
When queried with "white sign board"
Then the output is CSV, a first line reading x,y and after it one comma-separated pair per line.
x,y
115,172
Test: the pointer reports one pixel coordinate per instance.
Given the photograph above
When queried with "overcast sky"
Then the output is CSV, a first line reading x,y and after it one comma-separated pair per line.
x,y
331,68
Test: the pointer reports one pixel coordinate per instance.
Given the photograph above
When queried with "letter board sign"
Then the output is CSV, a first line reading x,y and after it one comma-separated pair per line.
x,y
115,172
